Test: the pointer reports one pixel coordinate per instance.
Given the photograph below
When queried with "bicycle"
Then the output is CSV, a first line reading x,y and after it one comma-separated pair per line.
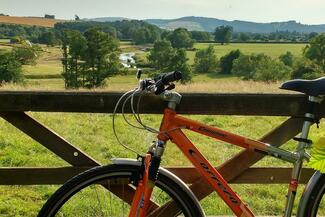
x,y
141,185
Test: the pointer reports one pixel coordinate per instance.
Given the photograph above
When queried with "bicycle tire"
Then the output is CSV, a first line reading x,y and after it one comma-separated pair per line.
x,y
56,204
312,197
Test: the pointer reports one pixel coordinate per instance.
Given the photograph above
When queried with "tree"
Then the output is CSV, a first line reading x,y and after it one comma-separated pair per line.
x,y
74,74
161,54
205,60
201,36
181,38
140,36
48,38
260,67
315,51
48,16
163,57
179,63
89,59
26,54
10,68
269,70
222,34
306,69
244,37
226,61
145,35
76,17
101,57
287,58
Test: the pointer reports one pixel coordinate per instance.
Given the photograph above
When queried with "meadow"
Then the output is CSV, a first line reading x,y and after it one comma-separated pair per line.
x,y
33,21
93,133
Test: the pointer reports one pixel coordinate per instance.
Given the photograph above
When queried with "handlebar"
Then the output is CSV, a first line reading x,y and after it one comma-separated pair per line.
x,y
158,85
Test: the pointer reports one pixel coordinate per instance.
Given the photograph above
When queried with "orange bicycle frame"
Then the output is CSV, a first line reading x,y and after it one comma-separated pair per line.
x,y
171,129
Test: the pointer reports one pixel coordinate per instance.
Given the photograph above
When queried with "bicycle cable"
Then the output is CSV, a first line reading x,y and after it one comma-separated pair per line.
x,y
114,129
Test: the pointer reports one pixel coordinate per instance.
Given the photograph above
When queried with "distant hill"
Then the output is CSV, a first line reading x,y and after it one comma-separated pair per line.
x,y
32,21
106,19
209,24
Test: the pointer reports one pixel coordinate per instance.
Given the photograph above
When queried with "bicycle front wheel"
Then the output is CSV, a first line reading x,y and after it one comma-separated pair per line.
x,y
312,203
108,191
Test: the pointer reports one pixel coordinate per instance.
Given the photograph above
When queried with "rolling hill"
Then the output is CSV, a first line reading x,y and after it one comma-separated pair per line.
x,y
32,21
209,24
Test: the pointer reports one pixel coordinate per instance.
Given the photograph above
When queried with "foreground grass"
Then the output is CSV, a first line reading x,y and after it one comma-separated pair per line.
x,y
93,134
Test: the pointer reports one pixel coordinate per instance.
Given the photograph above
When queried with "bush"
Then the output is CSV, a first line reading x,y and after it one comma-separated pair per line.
x,y
260,68
10,68
315,51
205,60
287,59
306,69
226,61
271,70
26,54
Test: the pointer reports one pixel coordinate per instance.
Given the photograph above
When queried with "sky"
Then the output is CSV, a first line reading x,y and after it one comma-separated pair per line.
x,y
303,11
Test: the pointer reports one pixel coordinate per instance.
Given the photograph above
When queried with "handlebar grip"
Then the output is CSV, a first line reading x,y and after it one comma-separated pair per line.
x,y
171,77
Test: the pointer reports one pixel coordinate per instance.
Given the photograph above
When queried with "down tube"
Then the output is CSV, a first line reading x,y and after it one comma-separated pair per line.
x,y
211,174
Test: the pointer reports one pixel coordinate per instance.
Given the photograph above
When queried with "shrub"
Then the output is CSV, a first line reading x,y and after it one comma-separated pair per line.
x,y
205,60
226,61
287,59
306,69
260,67
10,68
316,50
26,54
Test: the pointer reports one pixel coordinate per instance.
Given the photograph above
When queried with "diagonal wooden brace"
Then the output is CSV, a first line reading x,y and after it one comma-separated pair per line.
x,y
59,146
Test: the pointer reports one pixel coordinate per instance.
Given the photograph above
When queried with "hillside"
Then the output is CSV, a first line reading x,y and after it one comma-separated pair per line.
x,y
106,19
209,24
32,21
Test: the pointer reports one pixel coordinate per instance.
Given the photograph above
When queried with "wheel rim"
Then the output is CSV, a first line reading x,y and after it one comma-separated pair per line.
x,y
319,205
94,200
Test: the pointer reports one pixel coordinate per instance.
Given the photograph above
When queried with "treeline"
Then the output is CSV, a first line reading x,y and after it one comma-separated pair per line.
x,y
32,33
141,32
138,31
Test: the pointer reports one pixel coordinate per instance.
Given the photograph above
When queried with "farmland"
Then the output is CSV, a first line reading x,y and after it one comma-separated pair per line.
x,y
46,74
32,21
93,133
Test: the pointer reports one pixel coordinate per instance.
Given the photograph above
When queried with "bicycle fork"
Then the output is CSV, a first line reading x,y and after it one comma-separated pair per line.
x,y
151,162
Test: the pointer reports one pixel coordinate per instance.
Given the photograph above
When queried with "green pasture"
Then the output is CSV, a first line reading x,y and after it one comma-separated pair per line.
x,y
273,50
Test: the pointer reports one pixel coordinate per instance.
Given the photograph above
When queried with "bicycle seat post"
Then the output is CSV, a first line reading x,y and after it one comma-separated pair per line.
x,y
303,142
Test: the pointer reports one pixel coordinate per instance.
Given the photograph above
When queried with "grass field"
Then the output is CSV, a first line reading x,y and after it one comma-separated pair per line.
x,y
273,50
93,134
32,21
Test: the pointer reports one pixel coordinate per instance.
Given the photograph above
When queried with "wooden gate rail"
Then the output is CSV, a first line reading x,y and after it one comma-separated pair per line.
x,y
192,103
238,169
